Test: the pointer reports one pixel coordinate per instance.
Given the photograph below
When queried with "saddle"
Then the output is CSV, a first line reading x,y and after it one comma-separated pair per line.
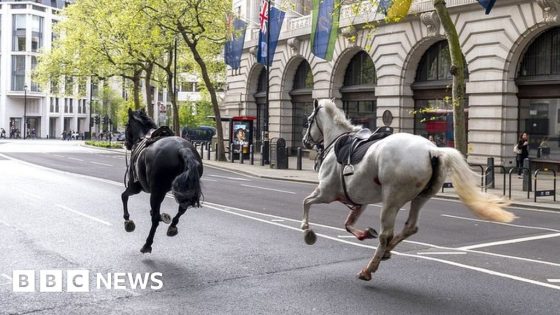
x,y
149,139
161,132
351,149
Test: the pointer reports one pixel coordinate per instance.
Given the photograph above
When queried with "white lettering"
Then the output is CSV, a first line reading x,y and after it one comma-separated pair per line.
x,y
119,280
106,281
154,277
138,279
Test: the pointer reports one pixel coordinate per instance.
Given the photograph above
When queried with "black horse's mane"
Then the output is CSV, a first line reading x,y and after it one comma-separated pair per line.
x,y
145,119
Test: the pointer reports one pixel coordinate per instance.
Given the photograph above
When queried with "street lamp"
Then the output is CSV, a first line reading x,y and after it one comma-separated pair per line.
x,y
90,94
24,111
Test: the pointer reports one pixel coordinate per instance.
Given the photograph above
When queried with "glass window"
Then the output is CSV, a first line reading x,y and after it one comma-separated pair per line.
x,y
71,105
34,85
69,85
543,56
57,108
540,118
434,118
37,33
303,78
18,73
54,86
65,105
300,112
434,65
360,71
18,43
362,113
51,107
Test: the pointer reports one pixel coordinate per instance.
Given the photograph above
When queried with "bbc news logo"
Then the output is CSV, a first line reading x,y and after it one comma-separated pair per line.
x,y
79,281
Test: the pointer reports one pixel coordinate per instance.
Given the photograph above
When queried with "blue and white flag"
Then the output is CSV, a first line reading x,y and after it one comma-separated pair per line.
x,y
487,4
270,26
234,44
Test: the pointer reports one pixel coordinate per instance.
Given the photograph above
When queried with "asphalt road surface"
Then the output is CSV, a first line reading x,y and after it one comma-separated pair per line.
x,y
243,251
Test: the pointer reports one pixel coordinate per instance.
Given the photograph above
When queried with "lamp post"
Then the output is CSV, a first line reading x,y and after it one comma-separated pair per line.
x,y
24,111
90,107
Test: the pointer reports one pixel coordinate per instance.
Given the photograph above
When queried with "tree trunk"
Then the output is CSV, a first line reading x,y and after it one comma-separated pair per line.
x,y
213,97
136,89
458,72
175,115
149,96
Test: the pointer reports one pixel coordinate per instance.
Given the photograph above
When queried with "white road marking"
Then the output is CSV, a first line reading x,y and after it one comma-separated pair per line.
x,y
441,253
508,224
277,220
482,270
232,178
104,164
6,276
553,280
271,189
512,241
28,194
84,215
381,206
345,236
208,180
71,158
62,156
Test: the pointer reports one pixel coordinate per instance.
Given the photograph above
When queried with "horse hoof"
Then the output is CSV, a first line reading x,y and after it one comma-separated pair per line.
x,y
146,249
129,226
309,237
172,231
386,256
364,275
165,218
372,233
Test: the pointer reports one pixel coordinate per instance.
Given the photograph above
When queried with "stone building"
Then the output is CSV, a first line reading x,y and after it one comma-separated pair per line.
x,y
398,74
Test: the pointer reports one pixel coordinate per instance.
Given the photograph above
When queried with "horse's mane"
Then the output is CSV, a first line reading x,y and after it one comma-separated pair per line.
x,y
338,115
146,120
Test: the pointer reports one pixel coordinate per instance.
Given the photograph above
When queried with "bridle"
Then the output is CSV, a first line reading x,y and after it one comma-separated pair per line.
x,y
312,119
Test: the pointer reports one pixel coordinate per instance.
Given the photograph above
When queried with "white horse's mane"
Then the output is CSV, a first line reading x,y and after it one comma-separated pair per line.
x,y
338,115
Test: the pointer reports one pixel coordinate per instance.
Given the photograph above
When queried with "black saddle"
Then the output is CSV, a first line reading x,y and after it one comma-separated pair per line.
x,y
351,149
161,132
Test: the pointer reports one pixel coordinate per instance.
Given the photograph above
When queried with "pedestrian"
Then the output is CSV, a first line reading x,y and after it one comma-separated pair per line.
x,y
522,151
2,133
431,138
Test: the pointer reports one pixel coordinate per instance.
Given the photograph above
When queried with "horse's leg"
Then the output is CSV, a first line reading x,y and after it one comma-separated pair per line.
x,y
314,197
172,230
409,228
351,219
388,216
155,202
132,189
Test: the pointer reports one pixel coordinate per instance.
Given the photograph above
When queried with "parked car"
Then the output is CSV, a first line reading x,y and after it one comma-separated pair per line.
x,y
119,136
200,134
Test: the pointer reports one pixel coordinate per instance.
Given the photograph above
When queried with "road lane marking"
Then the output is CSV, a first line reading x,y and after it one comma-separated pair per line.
x,y
71,158
271,189
512,241
104,164
84,215
232,178
452,263
6,276
28,194
501,223
58,155
441,253
345,236
208,180
277,220
553,280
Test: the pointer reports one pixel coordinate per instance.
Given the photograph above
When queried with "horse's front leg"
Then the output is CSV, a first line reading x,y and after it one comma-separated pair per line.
x,y
155,202
314,197
132,189
352,218
172,230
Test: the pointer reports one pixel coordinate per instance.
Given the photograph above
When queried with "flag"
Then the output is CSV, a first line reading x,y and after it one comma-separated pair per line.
x,y
324,29
487,4
394,10
270,27
234,45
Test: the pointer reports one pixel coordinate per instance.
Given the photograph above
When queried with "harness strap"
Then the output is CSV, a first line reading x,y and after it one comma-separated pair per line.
x,y
350,203
323,152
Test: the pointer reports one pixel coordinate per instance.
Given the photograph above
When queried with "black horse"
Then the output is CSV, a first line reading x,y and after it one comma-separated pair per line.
x,y
159,163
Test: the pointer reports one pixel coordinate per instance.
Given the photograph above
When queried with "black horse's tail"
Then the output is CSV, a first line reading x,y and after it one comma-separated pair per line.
x,y
186,186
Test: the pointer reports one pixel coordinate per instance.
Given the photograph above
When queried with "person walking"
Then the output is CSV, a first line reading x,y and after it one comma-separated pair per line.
x,y
522,151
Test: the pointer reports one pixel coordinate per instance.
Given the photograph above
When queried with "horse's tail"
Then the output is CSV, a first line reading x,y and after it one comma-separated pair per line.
x,y
484,205
186,186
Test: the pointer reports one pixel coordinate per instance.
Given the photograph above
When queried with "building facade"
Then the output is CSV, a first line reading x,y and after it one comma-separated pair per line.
x,y
398,74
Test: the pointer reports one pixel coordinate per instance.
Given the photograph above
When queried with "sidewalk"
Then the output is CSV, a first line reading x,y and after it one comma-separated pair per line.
x,y
308,175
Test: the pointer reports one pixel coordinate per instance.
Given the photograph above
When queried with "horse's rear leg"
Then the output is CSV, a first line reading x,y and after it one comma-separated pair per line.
x,y
352,218
410,227
132,189
155,202
388,216
172,230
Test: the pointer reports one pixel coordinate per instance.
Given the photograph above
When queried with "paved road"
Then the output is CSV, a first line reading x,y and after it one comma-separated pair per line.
x,y
243,251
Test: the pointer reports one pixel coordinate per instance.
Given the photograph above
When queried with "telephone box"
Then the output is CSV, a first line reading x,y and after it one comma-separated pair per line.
x,y
241,135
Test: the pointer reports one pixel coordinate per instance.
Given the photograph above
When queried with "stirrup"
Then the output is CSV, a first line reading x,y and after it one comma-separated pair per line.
x,y
348,170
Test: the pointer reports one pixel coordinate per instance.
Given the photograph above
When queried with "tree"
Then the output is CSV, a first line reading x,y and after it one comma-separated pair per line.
x,y
200,24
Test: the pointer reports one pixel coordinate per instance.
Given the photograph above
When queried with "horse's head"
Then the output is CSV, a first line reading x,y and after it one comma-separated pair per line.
x,y
314,133
137,127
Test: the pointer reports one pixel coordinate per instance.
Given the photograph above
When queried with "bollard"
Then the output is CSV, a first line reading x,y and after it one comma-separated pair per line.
x,y
202,150
216,152
298,156
262,154
208,151
490,173
526,175
231,152
251,155
241,157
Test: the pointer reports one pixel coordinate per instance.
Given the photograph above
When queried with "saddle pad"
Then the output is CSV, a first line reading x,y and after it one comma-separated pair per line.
x,y
346,146
159,133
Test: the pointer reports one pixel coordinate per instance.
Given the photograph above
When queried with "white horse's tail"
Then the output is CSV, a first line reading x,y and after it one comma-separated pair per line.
x,y
484,205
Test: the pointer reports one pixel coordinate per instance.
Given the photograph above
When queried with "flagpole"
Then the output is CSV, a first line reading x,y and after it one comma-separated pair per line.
x,y
266,143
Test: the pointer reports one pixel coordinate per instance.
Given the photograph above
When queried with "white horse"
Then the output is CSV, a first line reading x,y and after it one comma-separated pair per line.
x,y
397,169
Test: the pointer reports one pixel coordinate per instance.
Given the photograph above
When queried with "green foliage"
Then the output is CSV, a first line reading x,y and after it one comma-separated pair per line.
x,y
105,144
195,114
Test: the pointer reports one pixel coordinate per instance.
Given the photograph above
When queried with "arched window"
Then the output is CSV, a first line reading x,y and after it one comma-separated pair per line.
x,y
538,78
358,93
262,110
302,102
433,112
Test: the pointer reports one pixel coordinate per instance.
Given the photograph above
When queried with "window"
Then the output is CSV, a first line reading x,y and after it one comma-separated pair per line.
x,y
302,103
18,73
71,105
51,107
37,33
54,34
65,105
57,108
543,56
34,85
304,7
303,78
19,30
54,86
360,71
358,93
69,85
